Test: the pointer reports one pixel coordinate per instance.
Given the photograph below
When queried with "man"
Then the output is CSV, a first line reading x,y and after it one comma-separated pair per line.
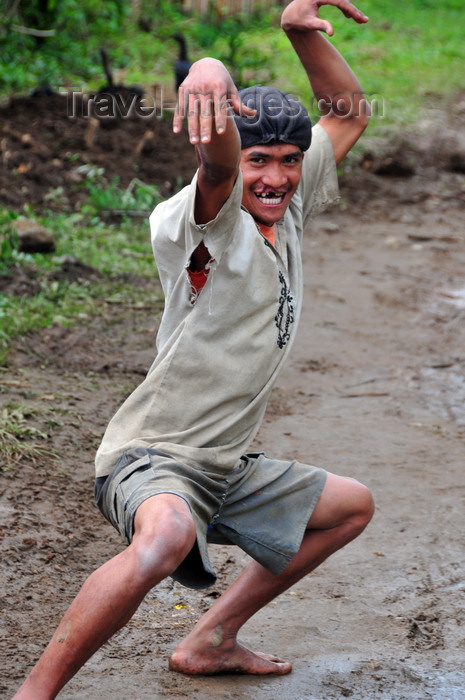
x,y
172,470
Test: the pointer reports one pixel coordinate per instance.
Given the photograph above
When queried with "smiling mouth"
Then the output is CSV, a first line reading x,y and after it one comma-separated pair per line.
x,y
270,199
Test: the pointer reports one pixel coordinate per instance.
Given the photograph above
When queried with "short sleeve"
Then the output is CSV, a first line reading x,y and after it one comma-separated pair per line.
x,y
319,184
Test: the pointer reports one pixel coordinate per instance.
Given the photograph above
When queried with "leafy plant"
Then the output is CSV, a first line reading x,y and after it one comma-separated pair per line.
x,y
109,199
57,44
8,249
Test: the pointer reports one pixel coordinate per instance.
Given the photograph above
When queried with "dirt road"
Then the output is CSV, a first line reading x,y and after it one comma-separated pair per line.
x,y
375,389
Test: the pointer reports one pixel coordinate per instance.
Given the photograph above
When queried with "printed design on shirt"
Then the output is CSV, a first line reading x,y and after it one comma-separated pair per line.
x,y
285,315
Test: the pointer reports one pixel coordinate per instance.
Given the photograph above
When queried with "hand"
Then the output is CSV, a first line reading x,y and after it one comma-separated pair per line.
x,y
302,15
207,97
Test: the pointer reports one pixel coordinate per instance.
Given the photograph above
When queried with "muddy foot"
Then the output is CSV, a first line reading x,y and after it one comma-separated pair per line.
x,y
239,660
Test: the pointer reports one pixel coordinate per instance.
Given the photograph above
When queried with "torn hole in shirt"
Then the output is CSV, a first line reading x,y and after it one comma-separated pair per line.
x,y
198,279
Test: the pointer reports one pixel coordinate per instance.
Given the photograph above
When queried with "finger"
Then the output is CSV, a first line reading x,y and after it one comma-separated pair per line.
x,y
349,10
239,107
180,111
221,112
323,26
206,117
314,23
193,117
201,117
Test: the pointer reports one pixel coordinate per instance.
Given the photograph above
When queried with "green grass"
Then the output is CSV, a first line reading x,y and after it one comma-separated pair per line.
x,y
119,254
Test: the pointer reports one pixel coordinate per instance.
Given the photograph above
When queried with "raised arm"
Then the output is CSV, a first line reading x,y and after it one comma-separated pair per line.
x,y
206,98
344,112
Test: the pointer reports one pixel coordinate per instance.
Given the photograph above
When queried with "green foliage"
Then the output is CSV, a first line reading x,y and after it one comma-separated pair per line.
x,y
109,199
407,54
76,30
10,255
8,241
243,42
67,56
71,55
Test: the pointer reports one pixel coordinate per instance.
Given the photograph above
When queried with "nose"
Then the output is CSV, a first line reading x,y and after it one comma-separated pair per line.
x,y
275,175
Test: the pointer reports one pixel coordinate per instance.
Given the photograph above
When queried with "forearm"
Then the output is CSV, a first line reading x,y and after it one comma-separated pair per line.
x,y
334,85
218,169
219,158
344,111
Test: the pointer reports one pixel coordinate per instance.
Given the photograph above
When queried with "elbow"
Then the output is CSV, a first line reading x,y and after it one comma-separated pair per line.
x,y
363,114
358,124
354,122
360,112
353,108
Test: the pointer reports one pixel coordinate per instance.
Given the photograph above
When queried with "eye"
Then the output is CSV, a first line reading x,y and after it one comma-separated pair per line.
x,y
292,160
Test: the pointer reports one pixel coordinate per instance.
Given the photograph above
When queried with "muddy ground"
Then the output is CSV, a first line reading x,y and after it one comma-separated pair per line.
x,y
375,389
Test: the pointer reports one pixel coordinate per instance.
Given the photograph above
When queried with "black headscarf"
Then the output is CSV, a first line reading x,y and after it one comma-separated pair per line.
x,y
280,118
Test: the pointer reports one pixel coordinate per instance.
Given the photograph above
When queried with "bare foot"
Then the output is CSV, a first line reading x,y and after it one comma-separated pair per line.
x,y
238,659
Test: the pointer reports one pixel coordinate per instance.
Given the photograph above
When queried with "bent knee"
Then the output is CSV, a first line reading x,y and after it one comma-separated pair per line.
x,y
164,535
344,500
155,563
363,504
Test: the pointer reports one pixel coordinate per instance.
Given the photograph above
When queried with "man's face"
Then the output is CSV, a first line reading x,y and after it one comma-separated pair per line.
x,y
270,175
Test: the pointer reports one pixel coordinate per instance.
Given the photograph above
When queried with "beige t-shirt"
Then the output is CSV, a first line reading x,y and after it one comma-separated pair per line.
x,y
217,359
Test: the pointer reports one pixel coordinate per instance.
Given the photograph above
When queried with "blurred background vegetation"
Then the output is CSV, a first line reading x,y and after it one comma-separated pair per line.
x,y
409,52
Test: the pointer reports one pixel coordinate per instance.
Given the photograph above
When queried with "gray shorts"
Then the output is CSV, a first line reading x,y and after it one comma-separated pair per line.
x,y
263,505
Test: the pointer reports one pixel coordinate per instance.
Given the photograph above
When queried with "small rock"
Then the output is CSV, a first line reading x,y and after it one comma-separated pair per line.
x,y
33,238
330,227
394,166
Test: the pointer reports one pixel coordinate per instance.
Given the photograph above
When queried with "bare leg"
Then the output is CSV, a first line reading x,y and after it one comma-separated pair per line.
x,y
164,534
343,511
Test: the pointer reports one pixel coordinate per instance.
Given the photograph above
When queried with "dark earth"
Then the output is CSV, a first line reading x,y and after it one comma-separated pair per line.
x,y
375,389
42,149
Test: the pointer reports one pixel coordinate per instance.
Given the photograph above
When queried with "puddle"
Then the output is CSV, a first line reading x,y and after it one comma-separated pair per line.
x,y
444,391
449,685
368,679
454,296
